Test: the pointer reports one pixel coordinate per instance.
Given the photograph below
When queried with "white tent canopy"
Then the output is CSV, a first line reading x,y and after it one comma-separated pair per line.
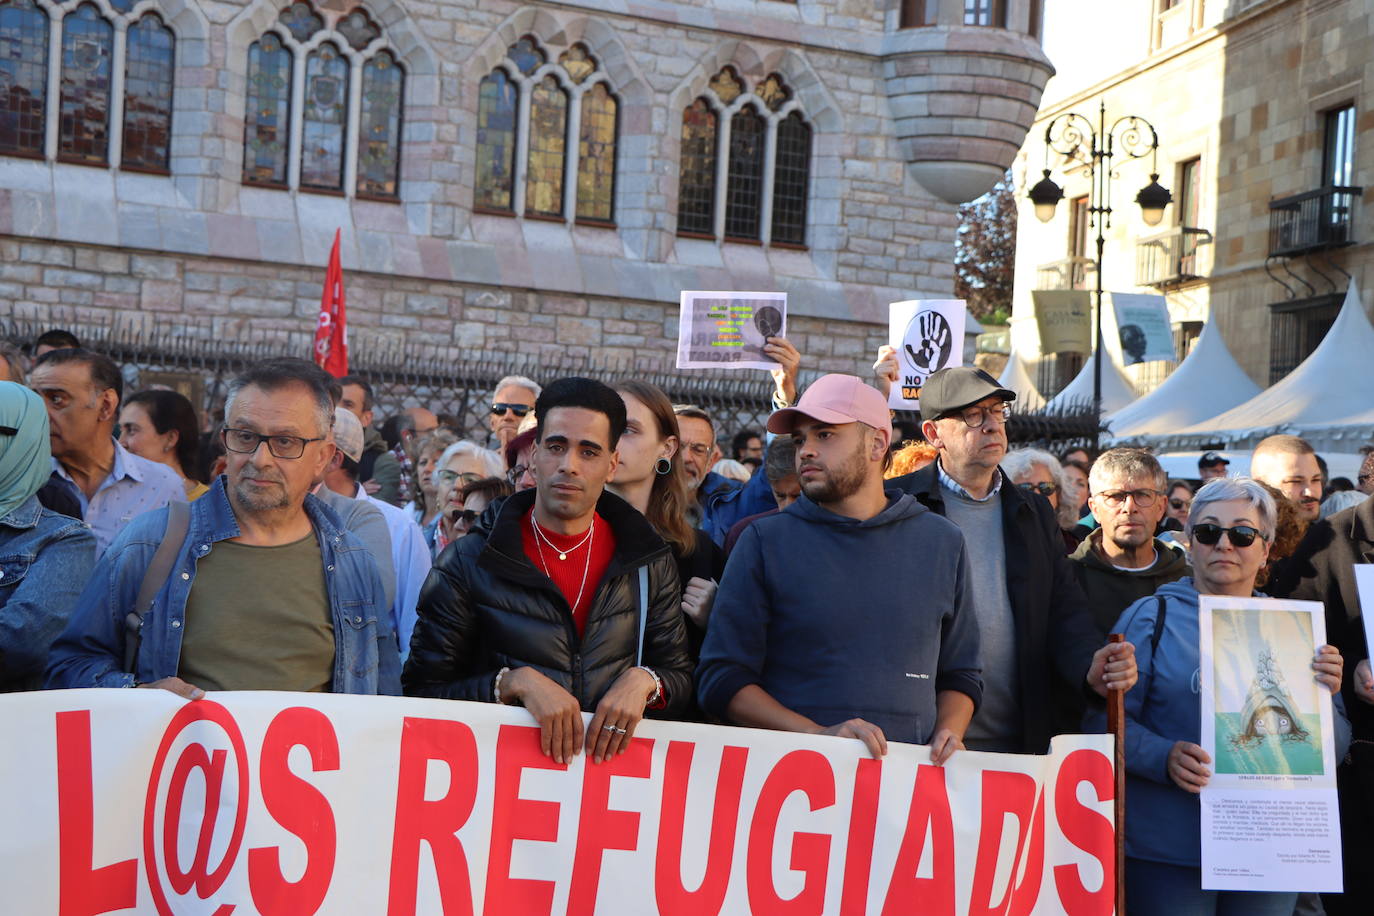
x,y
1017,378
1116,388
1207,382
1325,400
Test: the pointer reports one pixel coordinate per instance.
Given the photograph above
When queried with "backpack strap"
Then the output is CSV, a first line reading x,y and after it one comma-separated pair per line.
x,y
1161,611
643,611
159,569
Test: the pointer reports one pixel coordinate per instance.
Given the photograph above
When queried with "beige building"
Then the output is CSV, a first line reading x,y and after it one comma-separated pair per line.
x,y
1265,117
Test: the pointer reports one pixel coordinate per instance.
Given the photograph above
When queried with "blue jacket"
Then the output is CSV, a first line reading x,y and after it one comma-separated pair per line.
x,y
834,619
90,653
724,502
1163,822
45,559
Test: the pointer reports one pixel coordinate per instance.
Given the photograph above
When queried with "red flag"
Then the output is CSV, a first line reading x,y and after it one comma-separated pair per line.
x,y
331,330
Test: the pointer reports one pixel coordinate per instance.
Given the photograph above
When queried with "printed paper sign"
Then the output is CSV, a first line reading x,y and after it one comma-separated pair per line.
x,y
1364,584
928,335
135,801
724,330
1269,814
1064,319
1143,328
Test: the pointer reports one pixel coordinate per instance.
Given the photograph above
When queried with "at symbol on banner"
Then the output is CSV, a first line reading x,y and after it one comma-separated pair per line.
x,y
934,342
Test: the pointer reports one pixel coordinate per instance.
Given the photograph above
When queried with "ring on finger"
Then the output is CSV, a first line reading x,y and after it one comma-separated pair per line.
x,y
620,731
612,728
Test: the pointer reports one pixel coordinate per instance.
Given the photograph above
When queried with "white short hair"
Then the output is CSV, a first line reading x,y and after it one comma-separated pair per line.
x,y
519,381
1020,461
492,465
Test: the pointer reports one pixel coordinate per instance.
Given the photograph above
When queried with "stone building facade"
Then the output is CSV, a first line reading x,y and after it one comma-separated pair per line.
x,y
910,108
1265,116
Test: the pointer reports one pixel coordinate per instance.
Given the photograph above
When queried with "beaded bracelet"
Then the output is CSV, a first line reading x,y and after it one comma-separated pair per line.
x,y
656,700
496,687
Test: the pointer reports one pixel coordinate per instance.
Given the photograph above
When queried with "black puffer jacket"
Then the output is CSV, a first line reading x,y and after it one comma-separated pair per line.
x,y
485,606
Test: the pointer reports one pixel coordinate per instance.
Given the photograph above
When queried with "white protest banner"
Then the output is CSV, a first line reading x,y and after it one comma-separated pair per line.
x,y
135,801
1269,813
1064,319
928,335
727,330
1143,328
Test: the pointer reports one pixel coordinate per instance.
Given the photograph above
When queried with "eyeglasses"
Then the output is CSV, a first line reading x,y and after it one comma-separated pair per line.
x,y
1239,535
449,476
977,417
1143,498
463,516
1178,505
518,409
1044,489
515,473
245,442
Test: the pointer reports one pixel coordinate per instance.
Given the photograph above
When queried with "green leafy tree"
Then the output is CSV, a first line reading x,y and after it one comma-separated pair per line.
x,y
985,253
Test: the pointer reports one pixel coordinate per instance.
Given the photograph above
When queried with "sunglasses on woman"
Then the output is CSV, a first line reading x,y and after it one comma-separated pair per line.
x,y
466,516
1178,505
1044,489
1239,535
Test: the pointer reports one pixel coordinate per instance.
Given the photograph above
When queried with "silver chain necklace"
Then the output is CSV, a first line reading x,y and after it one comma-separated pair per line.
x,y
544,563
562,554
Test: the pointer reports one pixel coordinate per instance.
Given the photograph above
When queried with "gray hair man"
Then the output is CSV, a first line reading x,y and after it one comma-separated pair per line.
x,y
511,399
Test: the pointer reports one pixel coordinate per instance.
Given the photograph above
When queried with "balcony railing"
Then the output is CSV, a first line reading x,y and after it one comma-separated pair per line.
x,y
1312,221
1070,273
1170,258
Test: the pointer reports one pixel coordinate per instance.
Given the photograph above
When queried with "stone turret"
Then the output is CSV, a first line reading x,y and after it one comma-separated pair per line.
x,y
963,96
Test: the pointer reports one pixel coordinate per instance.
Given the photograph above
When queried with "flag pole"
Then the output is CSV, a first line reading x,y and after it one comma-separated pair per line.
x,y
1116,724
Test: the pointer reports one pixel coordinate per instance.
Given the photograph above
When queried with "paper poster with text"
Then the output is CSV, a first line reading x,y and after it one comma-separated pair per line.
x,y
1269,814
1364,583
727,330
1144,331
1064,319
928,335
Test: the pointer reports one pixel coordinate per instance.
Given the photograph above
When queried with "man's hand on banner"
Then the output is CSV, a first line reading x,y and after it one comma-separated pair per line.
x,y
943,744
178,686
871,735
618,713
697,599
556,711
1364,682
886,370
1187,766
1330,668
785,376
1113,668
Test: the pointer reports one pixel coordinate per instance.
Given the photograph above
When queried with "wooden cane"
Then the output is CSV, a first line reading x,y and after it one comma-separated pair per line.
x,y
1116,724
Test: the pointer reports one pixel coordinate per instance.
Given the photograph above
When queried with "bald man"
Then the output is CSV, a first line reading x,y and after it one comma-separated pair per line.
x,y
1289,465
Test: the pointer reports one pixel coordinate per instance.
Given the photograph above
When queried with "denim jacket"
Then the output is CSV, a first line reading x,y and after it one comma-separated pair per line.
x,y
45,559
90,653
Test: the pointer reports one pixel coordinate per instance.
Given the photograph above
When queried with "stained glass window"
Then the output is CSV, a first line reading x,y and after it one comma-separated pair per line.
x,y
526,56
358,29
23,76
696,202
727,86
148,94
268,116
87,46
548,149
596,156
379,137
497,105
578,63
324,117
773,92
301,21
744,188
791,172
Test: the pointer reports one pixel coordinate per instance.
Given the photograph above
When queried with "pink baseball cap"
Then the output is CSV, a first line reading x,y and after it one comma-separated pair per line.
x,y
835,399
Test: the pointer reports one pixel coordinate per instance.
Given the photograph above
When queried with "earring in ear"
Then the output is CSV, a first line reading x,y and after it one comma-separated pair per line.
x,y
663,467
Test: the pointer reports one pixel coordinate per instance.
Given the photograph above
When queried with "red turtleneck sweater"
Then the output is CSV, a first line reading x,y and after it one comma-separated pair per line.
x,y
567,575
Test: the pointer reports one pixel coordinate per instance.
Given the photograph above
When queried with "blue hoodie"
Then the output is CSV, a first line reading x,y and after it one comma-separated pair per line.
x,y
1163,822
838,618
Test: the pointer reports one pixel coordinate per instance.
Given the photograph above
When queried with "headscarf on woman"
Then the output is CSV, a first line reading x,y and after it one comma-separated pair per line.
x,y
25,453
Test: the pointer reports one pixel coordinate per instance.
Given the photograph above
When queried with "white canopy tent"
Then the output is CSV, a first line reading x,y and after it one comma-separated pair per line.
x,y
1207,382
1017,378
1325,400
1116,389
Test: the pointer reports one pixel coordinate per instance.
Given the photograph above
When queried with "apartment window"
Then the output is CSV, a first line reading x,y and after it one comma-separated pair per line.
x,y
1034,19
1296,328
96,78
1079,218
986,12
1189,190
913,14
1338,156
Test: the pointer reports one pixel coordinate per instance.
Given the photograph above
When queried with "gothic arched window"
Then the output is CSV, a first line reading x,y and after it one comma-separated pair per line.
x,y
346,135
113,104
546,136
730,136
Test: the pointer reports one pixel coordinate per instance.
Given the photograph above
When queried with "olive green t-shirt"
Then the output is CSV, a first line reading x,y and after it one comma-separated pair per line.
x,y
258,618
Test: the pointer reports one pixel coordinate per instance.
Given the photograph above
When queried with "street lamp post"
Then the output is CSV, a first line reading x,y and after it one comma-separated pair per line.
x,y
1074,136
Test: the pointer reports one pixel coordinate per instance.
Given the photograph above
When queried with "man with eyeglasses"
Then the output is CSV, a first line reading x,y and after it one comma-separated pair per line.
x,y
81,391
1121,561
1033,619
513,398
262,588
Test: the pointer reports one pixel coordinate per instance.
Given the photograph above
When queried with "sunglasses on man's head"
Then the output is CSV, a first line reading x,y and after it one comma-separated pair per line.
x,y
1239,535
1044,489
518,409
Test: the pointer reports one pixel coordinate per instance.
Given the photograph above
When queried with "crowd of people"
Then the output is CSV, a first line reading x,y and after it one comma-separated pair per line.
x,y
594,550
